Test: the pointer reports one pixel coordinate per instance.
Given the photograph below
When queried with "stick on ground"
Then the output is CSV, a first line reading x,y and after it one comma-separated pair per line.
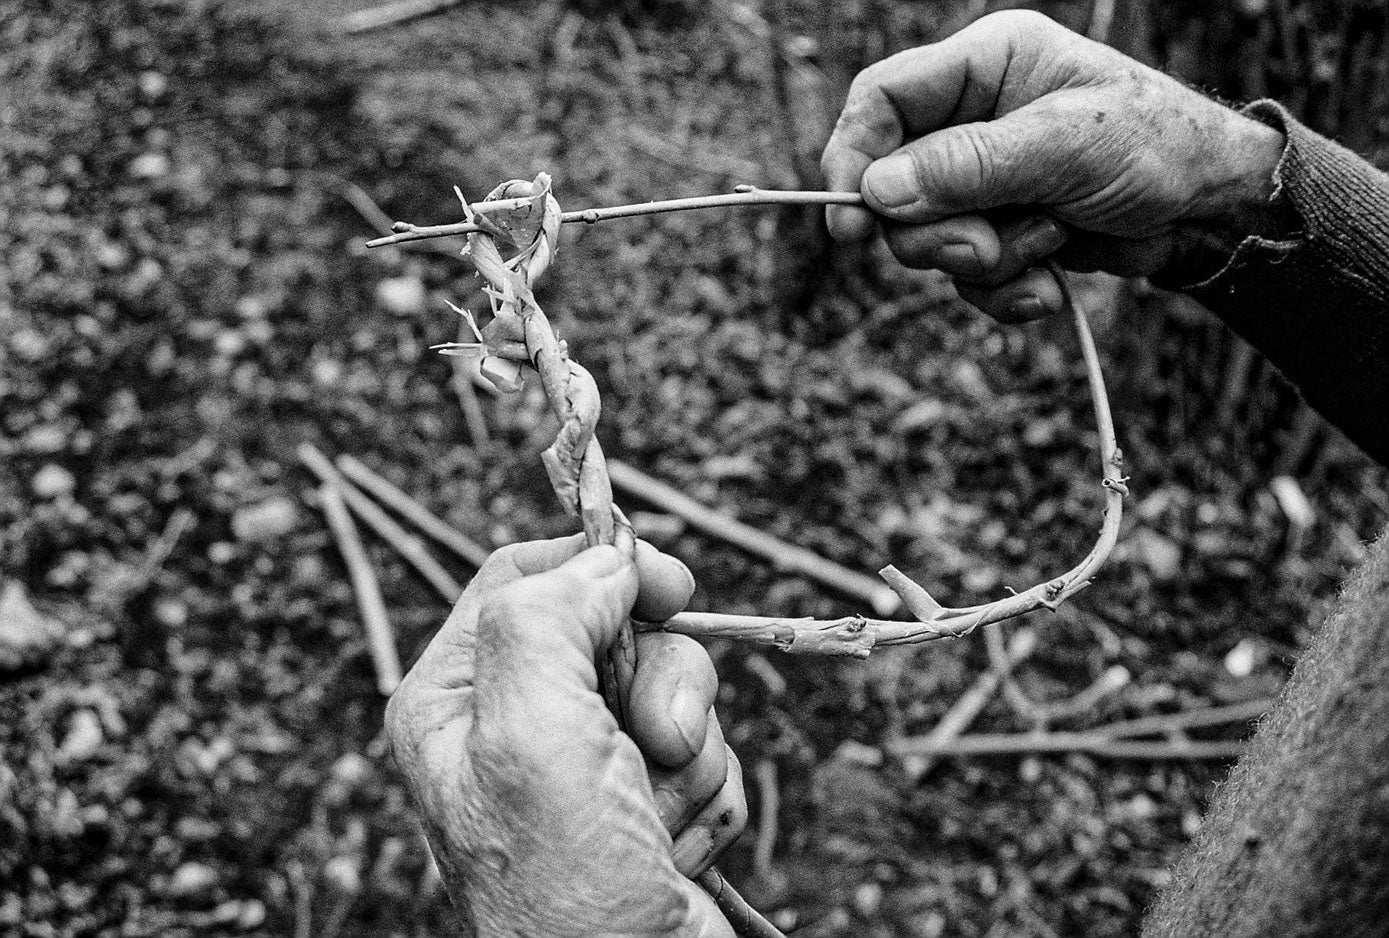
x,y
970,704
409,509
392,14
380,638
1112,741
785,556
410,547
1095,744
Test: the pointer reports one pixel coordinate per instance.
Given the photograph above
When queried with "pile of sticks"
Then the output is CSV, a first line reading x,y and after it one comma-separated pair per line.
x,y
350,488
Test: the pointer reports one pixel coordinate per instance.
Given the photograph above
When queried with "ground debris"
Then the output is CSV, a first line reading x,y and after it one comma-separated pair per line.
x,y
27,637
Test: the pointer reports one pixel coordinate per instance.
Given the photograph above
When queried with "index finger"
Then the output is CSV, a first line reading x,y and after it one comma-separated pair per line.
x,y
914,92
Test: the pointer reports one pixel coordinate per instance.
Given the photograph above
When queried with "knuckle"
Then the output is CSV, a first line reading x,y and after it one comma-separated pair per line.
x,y
504,556
502,607
1020,23
981,154
507,605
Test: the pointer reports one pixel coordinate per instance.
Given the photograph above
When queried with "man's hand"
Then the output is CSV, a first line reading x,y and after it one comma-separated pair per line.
x,y
544,817
1016,139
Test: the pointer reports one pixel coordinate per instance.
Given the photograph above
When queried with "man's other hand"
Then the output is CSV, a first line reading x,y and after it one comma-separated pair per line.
x,y
544,817
1016,139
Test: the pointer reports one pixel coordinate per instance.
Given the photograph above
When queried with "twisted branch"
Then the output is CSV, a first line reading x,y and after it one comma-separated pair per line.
x,y
524,219
856,636
528,224
574,461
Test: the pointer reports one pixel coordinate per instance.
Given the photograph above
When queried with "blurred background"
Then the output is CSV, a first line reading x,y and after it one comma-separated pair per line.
x,y
190,730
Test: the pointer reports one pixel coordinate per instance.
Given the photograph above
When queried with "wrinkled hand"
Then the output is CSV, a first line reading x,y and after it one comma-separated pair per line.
x,y
544,817
1016,139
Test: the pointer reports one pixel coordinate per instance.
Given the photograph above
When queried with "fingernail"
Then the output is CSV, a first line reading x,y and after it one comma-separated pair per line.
x,y
959,258
892,181
691,850
1039,238
687,712
1025,309
682,571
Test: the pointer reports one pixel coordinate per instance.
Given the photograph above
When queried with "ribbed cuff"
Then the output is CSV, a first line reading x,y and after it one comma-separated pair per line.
x,y
1314,296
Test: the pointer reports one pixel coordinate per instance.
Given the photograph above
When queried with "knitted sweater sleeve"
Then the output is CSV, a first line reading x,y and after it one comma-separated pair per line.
x,y
1317,302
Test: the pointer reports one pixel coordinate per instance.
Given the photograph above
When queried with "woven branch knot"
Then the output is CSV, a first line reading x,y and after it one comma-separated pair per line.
x,y
511,251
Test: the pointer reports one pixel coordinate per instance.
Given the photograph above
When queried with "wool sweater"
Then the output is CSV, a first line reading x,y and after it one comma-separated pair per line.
x,y
1314,298
1295,843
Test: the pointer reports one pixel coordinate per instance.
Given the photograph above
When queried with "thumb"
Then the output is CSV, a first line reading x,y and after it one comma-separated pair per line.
x,y
537,637
1013,160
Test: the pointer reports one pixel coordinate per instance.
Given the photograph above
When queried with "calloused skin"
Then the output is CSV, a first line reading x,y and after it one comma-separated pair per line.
x,y
544,817
1012,141
1016,140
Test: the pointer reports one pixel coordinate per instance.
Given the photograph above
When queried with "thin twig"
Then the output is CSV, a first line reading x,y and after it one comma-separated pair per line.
x,y
418,515
380,638
742,195
745,920
391,14
1170,723
1101,18
971,703
1042,713
801,168
1114,739
174,529
687,154
856,636
785,556
463,389
374,216
768,808
407,545
1095,744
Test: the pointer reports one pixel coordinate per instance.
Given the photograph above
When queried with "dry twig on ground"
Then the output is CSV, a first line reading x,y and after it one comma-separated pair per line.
x,y
1012,744
403,542
384,491
970,704
1115,740
392,14
785,556
380,637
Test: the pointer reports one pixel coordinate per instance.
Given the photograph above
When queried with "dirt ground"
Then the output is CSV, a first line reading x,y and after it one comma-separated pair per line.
x,y
186,298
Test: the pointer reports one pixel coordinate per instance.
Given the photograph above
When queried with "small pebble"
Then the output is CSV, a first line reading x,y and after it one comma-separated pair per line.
x,y
1241,660
343,872
26,636
268,520
1160,554
153,84
83,740
192,880
252,914
149,166
53,481
868,897
49,438
404,296
351,769
65,819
